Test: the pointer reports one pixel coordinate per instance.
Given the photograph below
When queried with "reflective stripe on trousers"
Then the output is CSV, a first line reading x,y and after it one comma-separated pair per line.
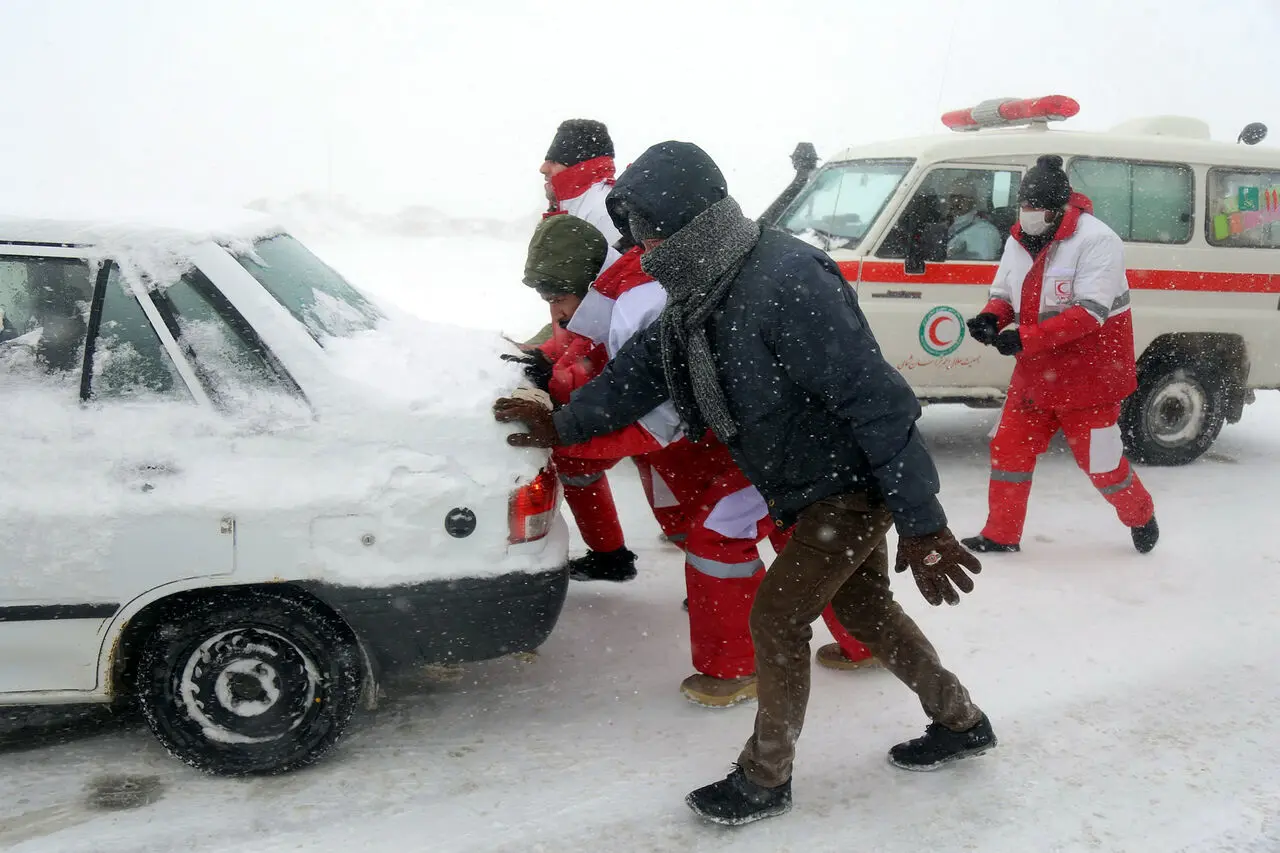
x,y
580,481
722,570
1118,487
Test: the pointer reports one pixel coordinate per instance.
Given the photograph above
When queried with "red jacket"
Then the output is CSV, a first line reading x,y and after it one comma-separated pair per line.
x,y
623,276
582,361
1071,304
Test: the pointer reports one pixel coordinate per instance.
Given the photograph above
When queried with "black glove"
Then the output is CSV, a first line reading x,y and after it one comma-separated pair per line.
x,y
537,367
542,430
984,328
939,564
1008,342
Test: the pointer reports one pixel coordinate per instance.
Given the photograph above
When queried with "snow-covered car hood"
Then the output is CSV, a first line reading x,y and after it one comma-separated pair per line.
x,y
416,399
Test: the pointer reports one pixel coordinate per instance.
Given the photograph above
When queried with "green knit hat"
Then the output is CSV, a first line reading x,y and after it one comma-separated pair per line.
x,y
565,256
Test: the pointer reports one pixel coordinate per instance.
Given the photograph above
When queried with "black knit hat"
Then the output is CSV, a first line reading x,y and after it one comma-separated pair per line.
x,y
1045,186
578,140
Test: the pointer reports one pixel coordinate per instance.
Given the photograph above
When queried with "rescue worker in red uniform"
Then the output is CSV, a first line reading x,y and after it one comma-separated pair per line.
x,y
564,257
622,302
578,173
1062,281
727,516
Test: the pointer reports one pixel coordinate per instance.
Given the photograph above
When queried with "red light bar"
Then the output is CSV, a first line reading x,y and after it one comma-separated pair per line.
x,y
1009,112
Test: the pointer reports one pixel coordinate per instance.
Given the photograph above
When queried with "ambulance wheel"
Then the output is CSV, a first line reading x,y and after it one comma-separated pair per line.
x,y
249,682
1175,415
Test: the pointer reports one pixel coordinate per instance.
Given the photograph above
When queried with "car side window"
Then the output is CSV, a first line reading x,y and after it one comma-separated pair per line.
x,y
44,318
1142,202
978,207
128,358
229,357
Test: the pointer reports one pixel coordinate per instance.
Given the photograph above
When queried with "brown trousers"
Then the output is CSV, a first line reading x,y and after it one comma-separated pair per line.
x,y
837,555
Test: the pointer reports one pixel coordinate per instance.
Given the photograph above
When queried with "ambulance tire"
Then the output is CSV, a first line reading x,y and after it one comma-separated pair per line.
x,y
1175,415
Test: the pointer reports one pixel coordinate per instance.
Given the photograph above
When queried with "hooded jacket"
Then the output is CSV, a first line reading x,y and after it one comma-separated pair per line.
x,y
820,411
1071,303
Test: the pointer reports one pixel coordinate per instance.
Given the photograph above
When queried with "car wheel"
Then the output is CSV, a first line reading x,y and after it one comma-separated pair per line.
x,y
249,682
1175,415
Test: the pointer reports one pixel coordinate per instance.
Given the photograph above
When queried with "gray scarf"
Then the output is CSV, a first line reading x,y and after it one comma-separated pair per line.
x,y
697,266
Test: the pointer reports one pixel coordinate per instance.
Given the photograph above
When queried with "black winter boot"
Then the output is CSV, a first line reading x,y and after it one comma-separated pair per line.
x,y
617,566
941,746
983,545
736,800
1146,536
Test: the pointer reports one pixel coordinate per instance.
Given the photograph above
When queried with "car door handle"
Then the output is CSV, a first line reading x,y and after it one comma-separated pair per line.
x,y
148,472
155,469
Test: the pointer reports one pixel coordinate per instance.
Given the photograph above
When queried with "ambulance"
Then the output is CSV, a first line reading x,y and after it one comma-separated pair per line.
x,y
918,225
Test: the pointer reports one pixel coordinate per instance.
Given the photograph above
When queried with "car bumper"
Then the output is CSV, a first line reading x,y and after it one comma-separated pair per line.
x,y
449,621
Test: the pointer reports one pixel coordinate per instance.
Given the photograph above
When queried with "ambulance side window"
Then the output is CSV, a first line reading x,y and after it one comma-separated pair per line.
x,y
1142,202
977,206
1243,209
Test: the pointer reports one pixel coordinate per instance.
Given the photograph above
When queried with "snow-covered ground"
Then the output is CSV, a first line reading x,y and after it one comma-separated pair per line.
x,y
1133,696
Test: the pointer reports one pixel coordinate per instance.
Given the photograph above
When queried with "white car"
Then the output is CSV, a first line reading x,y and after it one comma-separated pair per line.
x,y
241,492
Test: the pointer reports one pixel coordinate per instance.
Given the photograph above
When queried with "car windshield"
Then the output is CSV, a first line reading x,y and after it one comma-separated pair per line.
x,y
314,293
842,200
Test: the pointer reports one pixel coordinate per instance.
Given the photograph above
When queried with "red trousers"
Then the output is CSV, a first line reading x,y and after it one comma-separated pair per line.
x,y
662,501
722,571
587,492
1024,433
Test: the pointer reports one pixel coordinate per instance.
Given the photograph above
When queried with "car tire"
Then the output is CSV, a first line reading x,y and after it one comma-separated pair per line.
x,y
249,682
1175,415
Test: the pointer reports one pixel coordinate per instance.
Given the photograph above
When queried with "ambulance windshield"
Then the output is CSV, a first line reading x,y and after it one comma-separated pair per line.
x,y
842,201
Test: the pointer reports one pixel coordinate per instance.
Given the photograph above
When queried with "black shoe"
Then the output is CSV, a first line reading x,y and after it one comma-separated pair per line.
x,y
1146,536
941,746
736,800
983,545
617,566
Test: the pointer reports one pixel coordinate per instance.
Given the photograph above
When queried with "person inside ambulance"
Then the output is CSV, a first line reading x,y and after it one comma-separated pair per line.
x,y
970,235
1059,305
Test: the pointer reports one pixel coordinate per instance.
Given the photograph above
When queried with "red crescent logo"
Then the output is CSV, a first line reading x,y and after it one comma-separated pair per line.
x,y
933,331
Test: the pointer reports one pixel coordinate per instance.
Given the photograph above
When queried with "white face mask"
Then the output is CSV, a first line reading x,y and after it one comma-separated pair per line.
x,y
1034,222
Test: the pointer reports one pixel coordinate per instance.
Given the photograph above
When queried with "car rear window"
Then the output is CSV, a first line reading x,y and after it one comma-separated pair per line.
x,y
310,289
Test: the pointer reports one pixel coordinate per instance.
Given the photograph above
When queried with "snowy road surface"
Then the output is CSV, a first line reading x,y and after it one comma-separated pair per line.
x,y
1134,698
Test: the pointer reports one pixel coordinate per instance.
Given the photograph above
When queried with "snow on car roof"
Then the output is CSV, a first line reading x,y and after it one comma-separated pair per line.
x,y
137,226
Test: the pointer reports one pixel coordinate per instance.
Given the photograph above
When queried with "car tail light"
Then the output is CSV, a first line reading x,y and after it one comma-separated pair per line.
x,y
533,509
1006,112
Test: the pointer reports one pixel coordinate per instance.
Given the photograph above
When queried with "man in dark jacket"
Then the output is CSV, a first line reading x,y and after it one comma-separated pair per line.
x,y
763,342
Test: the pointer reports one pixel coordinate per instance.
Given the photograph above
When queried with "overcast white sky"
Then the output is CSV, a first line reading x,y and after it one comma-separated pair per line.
x,y
453,104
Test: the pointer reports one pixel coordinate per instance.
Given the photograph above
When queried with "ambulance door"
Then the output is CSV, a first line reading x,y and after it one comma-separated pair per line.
x,y
919,310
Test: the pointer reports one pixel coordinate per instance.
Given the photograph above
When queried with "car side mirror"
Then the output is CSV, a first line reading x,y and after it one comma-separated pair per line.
x,y
927,246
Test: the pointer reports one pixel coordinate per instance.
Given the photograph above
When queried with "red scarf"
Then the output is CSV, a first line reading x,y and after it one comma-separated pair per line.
x,y
576,180
624,274
1033,284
